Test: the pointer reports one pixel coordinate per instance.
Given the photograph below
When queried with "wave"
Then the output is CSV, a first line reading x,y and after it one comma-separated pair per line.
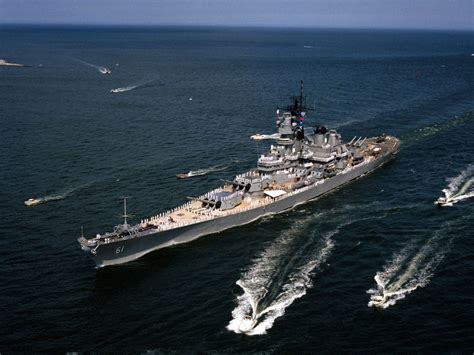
x,y
280,275
137,85
460,187
102,70
283,272
410,269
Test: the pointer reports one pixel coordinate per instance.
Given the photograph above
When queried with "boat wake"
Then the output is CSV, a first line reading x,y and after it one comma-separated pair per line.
x,y
206,171
102,70
460,187
137,85
54,197
409,269
429,131
280,275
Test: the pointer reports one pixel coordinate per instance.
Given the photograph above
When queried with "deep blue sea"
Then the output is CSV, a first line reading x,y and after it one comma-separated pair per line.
x,y
199,93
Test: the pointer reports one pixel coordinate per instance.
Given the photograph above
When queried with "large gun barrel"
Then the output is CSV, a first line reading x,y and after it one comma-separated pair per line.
x,y
234,182
212,202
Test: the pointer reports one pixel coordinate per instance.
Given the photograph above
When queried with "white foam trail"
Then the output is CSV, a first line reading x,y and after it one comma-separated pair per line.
x,y
54,197
426,132
460,187
124,89
102,70
407,272
299,281
207,170
139,84
280,275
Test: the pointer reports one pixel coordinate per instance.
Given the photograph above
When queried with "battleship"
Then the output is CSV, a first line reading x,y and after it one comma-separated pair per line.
x,y
302,164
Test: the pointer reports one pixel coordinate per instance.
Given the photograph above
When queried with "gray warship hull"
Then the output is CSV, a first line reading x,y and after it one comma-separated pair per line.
x,y
126,250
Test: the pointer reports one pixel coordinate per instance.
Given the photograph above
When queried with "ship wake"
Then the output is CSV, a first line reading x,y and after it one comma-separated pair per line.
x,y
460,187
102,70
410,269
139,84
206,171
53,197
280,275
427,132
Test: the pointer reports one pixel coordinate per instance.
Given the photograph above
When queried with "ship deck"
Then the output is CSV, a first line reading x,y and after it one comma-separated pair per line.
x,y
193,212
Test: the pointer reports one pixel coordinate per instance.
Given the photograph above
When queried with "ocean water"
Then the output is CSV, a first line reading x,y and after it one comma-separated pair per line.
x,y
194,97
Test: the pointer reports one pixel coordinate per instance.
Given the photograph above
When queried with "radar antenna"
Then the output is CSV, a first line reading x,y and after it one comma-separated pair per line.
x,y
299,102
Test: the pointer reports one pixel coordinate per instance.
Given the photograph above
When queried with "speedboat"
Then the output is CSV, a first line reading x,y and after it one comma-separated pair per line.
x,y
379,301
247,324
442,201
183,175
32,202
119,90
105,70
191,174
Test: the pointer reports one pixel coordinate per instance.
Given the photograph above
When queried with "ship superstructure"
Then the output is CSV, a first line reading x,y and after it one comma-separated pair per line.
x,y
299,166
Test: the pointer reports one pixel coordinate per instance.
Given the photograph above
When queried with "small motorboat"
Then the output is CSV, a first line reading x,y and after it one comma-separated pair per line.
x,y
442,201
378,301
32,202
183,175
119,90
104,70
192,173
247,324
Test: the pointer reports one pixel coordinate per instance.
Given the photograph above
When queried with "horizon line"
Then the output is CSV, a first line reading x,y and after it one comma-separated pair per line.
x,y
130,25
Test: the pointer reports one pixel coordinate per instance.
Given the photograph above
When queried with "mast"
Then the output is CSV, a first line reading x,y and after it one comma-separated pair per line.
x,y
301,95
125,215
